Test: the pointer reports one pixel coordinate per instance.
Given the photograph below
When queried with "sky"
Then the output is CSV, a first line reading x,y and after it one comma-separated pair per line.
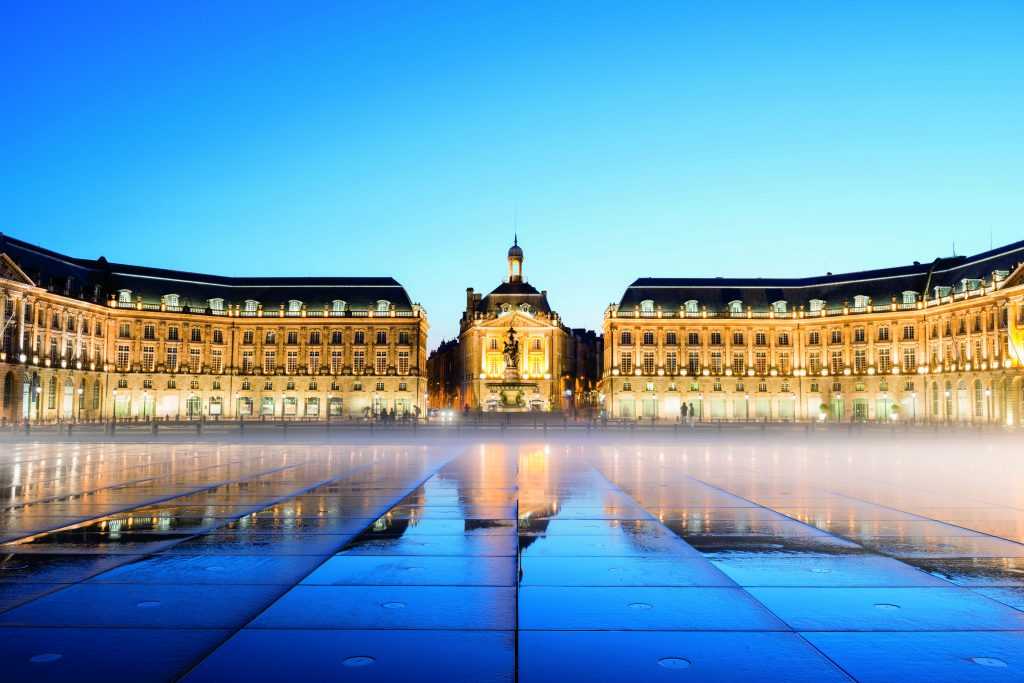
x,y
620,140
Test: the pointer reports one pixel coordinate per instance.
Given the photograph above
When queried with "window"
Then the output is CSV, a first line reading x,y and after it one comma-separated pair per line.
x,y
690,306
148,358
382,337
783,338
124,296
783,363
124,331
671,362
535,344
836,363
218,336
816,305
403,338
883,333
292,362
269,362
647,306
403,362
836,337
251,305
626,363
313,366
51,400
858,335
648,361
860,361
292,338
270,338
294,306
909,359
359,337
383,306
195,360
908,333
216,305
170,300
814,338
860,301
738,362
692,339
884,360
761,363
716,338
716,362
336,362
909,297
648,337
149,332
779,307
737,339
760,339
337,306
217,361
122,357
627,386
626,338
247,337
735,307
381,365
671,339
172,359
197,334
380,386
693,362
358,361
172,333
335,337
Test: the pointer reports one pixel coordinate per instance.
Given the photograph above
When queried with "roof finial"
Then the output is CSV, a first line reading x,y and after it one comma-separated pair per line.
x,y
515,240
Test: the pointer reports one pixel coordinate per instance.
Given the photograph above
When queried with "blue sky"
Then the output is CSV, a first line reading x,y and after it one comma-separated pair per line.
x,y
631,139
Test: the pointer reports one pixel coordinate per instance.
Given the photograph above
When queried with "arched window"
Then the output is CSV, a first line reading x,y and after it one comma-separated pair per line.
x,y
690,306
979,399
525,308
251,305
294,306
816,305
383,306
216,304
337,306
779,306
51,394
909,297
735,306
647,306
124,296
860,301
170,299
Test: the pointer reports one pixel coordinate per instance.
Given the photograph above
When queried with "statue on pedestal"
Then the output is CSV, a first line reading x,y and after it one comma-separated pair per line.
x,y
511,355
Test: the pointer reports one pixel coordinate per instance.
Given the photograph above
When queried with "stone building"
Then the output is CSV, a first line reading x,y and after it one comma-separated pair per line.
x,y
515,354
940,341
87,339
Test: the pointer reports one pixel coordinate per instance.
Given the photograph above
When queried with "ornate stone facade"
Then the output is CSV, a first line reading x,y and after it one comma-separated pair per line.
x,y
931,342
87,340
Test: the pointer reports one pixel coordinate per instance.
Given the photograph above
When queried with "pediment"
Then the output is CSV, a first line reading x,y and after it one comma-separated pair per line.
x,y
1016,277
516,319
9,270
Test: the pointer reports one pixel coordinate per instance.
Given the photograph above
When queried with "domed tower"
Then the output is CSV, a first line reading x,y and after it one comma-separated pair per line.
x,y
515,261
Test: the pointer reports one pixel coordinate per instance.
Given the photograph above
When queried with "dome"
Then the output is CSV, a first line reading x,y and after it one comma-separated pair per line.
x,y
515,251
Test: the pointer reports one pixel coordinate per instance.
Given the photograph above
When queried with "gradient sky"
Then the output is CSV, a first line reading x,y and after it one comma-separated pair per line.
x,y
630,139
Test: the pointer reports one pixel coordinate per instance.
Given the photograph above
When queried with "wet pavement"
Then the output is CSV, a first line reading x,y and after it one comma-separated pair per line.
x,y
521,561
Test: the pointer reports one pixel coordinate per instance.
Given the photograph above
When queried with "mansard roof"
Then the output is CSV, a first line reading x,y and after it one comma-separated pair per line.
x,y
835,290
98,280
516,293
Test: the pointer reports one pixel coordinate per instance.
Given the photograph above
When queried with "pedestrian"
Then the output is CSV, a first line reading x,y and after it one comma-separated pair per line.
x,y
693,414
683,412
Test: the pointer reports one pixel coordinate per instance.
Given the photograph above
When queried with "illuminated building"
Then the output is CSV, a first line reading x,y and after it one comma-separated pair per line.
x,y
940,341
87,339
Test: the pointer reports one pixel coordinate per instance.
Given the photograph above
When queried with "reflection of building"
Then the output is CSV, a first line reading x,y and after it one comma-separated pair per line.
x,y
88,339
936,341
443,381
514,352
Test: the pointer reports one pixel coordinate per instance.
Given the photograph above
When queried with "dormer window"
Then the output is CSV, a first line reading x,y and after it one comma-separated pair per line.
x,y
779,307
941,292
909,297
816,305
294,306
860,301
337,306
170,299
647,306
735,306
216,304
969,284
690,306
251,305
124,296
383,306
525,308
